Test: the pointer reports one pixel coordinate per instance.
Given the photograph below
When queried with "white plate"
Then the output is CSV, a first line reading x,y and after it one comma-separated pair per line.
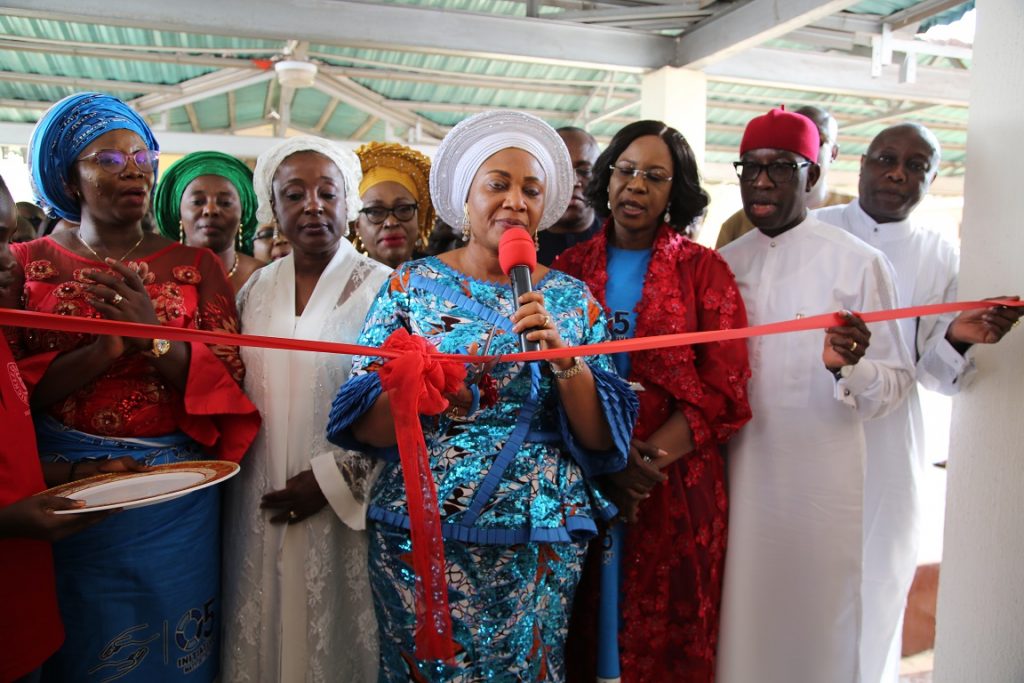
x,y
127,490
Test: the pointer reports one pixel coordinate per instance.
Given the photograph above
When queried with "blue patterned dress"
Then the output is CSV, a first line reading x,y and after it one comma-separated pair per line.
x,y
516,500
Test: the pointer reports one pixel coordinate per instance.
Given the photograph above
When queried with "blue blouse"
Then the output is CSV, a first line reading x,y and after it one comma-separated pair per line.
x,y
514,473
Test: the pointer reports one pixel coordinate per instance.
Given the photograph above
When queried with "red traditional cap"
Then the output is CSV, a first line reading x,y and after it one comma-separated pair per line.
x,y
780,129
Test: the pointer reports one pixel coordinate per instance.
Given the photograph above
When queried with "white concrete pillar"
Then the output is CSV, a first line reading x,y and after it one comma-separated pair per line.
x,y
679,98
981,593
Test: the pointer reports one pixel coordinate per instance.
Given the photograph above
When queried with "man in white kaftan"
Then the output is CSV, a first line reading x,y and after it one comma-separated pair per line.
x,y
791,600
896,172
297,598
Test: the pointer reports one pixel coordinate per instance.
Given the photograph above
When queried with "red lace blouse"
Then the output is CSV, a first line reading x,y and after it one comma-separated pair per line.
x,y
673,557
132,399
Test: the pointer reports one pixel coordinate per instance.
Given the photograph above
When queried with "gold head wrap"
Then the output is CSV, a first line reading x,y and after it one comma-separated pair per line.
x,y
391,162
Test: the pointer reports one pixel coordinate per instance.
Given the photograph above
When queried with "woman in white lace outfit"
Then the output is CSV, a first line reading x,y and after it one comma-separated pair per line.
x,y
297,596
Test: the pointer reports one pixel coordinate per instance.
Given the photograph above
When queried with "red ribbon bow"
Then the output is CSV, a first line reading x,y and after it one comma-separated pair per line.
x,y
417,382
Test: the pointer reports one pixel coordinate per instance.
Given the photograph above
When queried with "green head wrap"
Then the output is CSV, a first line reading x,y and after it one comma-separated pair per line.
x,y
167,200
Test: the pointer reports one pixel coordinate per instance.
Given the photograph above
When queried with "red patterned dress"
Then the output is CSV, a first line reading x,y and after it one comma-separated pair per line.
x,y
673,557
132,399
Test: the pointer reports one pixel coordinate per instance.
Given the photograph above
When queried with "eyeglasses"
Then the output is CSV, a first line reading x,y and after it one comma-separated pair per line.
x,y
115,161
379,214
778,171
654,176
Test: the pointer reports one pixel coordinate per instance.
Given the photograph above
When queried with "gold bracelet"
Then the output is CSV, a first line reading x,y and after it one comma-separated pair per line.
x,y
573,370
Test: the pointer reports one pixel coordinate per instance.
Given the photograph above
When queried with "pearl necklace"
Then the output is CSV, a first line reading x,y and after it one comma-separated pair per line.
x,y
234,267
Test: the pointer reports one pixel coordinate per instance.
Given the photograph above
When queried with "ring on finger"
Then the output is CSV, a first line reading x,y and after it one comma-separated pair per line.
x,y
292,515
646,458
547,320
853,346
117,299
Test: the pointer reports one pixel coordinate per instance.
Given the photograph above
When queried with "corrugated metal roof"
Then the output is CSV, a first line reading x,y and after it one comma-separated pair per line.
x,y
42,60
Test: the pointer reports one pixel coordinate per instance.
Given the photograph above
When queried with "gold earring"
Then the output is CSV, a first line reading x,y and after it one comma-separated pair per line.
x,y
465,222
181,232
238,238
536,240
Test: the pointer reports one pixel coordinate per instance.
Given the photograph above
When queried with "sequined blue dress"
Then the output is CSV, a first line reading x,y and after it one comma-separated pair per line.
x,y
516,499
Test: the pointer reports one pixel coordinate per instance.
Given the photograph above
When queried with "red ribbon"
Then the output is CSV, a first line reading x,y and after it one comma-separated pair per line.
x,y
417,382
63,323
416,379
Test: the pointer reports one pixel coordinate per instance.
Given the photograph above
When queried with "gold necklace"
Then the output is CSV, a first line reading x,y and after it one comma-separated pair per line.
x,y
93,251
234,267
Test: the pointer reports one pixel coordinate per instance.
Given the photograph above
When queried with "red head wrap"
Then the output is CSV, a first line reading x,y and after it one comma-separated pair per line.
x,y
780,129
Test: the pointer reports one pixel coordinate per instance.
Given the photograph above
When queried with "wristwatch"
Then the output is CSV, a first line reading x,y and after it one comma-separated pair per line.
x,y
160,347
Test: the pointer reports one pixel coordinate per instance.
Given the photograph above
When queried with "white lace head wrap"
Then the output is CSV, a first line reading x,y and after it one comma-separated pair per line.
x,y
266,166
469,144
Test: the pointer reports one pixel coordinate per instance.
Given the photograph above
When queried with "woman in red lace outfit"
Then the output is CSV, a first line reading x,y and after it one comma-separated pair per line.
x,y
139,592
653,581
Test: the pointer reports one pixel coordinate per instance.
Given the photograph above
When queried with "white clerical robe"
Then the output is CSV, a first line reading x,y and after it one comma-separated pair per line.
x,y
926,267
791,601
297,601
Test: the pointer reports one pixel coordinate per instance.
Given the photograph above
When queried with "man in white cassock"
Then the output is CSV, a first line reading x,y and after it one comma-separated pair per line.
x,y
792,594
895,174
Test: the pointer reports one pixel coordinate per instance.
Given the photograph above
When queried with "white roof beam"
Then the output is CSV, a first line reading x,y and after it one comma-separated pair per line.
x,y
742,101
268,101
744,26
630,80
895,113
625,15
359,24
840,74
326,114
614,112
232,113
371,103
584,111
918,12
56,47
242,146
824,38
850,23
364,128
31,105
471,80
201,88
284,108
86,83
193,118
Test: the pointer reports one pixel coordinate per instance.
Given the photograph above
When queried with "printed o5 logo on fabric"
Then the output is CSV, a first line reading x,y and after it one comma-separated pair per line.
x,y
19,385
620,324
192,636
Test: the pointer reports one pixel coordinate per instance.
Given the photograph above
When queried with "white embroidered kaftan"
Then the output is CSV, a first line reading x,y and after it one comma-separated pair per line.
x,y
791,600
926,268
297,597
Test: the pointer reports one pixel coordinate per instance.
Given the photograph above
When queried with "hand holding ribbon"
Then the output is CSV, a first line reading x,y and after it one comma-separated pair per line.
x,y
416,382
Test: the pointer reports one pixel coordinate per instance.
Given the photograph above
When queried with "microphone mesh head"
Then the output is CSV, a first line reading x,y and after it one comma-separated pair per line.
x,y
516,248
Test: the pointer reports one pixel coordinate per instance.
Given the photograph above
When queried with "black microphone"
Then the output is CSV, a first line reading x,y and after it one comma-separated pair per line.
x,y
517,255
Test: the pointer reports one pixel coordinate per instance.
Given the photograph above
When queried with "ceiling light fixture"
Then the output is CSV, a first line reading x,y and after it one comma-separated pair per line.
x,y
293,73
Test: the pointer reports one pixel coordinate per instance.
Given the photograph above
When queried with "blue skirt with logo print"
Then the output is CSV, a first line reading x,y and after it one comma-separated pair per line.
x,y
139,592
